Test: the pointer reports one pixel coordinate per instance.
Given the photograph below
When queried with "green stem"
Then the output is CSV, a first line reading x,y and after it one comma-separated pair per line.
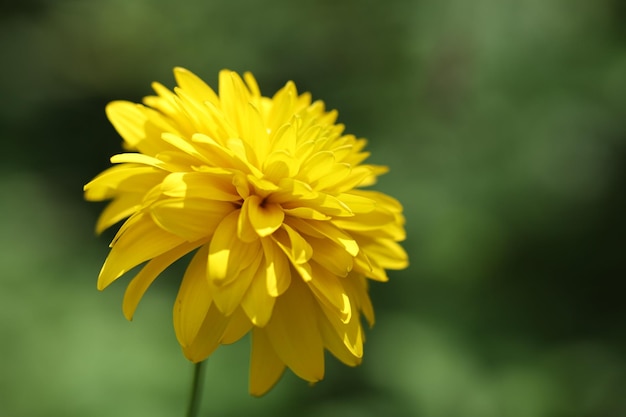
x,y
196,389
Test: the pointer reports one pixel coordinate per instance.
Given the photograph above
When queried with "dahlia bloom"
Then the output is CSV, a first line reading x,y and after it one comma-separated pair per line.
x,y
266,194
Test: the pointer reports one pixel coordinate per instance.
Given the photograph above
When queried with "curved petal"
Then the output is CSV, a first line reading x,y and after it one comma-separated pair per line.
x,y
138,240
194,86
238,326
277,272
357,288
331,256
294,333
139,285
266,368
228,255
378,223
338,347
321,229
264,218
125,178
349,333
122,207
208,337
190,218
234,98
140,126
193,300
228,297
328,289
205,185
386,253
129,120
258,303
293,244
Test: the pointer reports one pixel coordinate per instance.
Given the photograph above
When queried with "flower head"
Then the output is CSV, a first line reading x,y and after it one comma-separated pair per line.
x,y
266,193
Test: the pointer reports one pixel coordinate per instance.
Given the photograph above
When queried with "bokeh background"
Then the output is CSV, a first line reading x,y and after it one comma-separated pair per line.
x,y
503,122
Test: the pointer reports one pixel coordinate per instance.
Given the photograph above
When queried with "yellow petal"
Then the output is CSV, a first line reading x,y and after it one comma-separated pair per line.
x,y
382,200
385,252
227,254
139,158
264,218
303,227
266,368
277,272
139,126
194,86
238,326
338,347
290,190
388,254
220,127
221,155
228,297
326,230
164,102
357,288
209,336
138,242
306,213
241,150
335,174
357,203
215,152
377,223
319,165
252,84
375,171
307,146
329,290
125,178
129,121
282,109
284,138
220,249
257,303
370,268
233,98
240,182
193,300
140,283
185,146
123,206
255,132
331,256
294,333
348,332
322,202
280,164
203,116
170,105
190,218
354,179
207,185
245,231
297,249
261,186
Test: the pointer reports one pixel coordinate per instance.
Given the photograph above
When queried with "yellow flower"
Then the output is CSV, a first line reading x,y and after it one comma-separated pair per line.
x,y
265,191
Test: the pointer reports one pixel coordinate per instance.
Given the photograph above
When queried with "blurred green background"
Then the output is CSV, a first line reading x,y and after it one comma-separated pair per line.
x,y
503,122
